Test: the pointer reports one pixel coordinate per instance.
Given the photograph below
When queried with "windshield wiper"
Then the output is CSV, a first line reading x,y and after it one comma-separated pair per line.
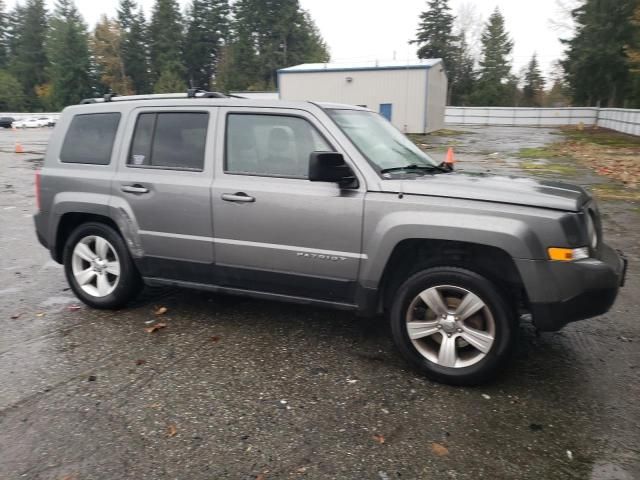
x,y
426,168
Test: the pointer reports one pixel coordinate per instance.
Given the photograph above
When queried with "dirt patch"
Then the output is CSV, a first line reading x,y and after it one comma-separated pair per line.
x,y
611,154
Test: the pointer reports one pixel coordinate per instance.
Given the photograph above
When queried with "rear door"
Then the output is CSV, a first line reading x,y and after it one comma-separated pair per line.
x,y
163,184
275,231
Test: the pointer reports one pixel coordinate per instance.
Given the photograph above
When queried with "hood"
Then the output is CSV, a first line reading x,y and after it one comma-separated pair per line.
x,y
493,188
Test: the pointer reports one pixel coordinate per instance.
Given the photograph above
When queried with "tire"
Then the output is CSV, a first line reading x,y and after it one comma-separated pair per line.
x,y
105,283
421,334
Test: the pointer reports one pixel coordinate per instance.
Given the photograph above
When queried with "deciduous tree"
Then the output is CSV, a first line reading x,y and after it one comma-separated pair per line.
x,y
106,44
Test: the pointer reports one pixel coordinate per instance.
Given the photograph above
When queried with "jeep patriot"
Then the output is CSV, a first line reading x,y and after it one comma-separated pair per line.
x,y
319,204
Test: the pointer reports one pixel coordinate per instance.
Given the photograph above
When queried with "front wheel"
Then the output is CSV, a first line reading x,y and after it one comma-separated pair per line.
x,y
99,268
453,325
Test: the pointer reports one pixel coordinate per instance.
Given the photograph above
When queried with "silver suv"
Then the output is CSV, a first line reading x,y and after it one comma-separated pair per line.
x,y
320,204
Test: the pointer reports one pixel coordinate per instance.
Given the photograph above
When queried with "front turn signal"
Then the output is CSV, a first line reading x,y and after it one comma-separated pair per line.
x,y
567,254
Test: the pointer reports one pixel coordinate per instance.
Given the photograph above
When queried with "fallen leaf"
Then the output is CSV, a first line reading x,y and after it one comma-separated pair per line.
x,y
172,431
155,406
141,361
73,476
215,339
39,314
301,470
439,449
155,328
378,438
74,308
260,477
16,316
161,311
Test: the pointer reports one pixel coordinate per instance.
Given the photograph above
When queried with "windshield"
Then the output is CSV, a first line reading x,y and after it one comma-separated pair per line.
x,y
380,142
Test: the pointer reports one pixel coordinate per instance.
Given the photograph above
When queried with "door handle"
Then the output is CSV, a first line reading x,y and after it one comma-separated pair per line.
x,y
137,188
239,197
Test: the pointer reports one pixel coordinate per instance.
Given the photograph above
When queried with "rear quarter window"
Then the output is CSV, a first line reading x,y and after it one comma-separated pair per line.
x,y
90,138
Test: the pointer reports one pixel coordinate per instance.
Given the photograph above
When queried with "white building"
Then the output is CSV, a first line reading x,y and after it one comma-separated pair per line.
x,y
412,95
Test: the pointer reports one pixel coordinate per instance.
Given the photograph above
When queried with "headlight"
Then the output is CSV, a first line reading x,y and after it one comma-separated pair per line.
x,y
591,231
568,254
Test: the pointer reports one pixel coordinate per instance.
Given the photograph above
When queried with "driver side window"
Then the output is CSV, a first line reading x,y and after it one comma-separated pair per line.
x,y
271,145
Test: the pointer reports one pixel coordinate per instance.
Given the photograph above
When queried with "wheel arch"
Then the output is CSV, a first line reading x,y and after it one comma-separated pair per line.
x,y
412,255
69,222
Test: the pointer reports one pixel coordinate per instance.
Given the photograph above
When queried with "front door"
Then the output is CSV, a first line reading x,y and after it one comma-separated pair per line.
x,y
275,231
163,184
386,110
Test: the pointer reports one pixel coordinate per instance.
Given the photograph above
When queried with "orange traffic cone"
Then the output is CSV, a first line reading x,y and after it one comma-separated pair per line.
x,y
19,148
451,159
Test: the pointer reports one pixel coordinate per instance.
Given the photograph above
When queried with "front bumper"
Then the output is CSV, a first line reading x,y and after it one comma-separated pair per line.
x,y
593,285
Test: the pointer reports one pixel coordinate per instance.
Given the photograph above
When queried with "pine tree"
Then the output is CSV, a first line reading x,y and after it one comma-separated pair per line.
x,y
11,96
68,49
463,84
533,90
134,46
496,84
106,45
268,36
4,35
597,62
435,36
166,41
29,61
208,28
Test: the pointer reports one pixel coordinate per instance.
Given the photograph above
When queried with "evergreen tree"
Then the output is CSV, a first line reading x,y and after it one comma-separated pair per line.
x,y
268,36
463,84
207,30
597,62
70,60
134,46
106,45
4,35
29,61
435,36
169,82
166,41
533,90
11,96
496,84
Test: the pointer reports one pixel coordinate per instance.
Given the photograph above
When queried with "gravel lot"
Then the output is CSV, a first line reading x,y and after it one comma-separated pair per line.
x,y
245,389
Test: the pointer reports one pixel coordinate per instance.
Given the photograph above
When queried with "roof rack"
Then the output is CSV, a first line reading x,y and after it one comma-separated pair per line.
x,y
191,93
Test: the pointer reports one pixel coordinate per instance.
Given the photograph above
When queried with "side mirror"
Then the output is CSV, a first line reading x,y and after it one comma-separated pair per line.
x,y
331,167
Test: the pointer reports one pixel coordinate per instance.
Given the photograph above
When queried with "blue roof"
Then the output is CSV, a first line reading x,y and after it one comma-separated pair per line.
x,y
359,66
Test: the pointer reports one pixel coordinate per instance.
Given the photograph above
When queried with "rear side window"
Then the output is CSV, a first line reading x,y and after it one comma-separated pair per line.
x,y
90,139
173,141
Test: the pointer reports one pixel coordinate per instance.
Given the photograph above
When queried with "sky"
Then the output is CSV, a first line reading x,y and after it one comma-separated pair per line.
x,y
361,30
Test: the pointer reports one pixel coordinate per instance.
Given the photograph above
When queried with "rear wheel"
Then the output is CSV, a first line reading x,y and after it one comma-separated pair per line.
x,y
99,268
453,325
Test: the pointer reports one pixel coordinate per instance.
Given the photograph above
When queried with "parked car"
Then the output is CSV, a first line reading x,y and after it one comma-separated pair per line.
x,y
318,204
6,122
47,121
31,123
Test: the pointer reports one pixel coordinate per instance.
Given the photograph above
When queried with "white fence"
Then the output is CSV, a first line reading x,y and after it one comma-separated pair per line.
x,y
620,119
